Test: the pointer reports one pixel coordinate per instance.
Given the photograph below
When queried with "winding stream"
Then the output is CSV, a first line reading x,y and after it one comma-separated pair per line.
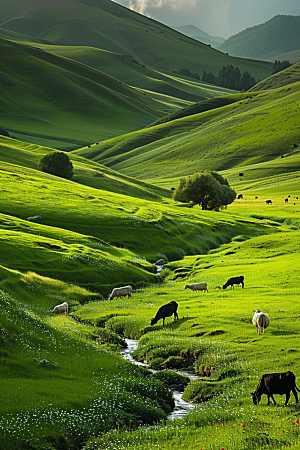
x,y
181,407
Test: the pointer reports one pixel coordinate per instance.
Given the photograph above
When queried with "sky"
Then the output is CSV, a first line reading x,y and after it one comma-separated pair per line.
x,y
216,17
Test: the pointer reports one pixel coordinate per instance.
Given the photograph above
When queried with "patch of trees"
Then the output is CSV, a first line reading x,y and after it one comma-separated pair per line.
x,y
206,189
278,66
231,78
57,163
188,73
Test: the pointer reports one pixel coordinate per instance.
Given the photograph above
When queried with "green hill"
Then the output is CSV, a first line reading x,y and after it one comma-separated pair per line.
x,y
293,57
274,37
179,90
280,79
245,129
62,104
109,26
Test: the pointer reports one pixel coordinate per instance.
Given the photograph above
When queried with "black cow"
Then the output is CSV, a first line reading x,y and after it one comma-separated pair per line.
x,y
286,200
234,280
166,311
276,383
240,196
269,202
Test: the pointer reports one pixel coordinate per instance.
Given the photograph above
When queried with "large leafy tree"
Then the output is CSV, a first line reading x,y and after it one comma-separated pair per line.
x,y
57,163
207,189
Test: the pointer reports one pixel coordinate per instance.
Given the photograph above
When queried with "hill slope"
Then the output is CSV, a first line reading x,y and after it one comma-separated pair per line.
x,y
200,35
60,103
283,78
245,129
279,35
110,26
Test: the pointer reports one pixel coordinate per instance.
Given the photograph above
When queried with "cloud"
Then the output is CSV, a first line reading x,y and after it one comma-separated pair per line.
x,y
146,6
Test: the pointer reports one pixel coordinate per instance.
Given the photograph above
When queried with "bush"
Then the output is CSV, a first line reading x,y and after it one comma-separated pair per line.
x,y
57,163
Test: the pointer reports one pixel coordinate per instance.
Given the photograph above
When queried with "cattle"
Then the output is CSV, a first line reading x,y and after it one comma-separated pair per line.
x,y
256,198
234,280
261,321
276,383
286,200
63,308
166,311
240,196
121,292
269,202
197,286
241,174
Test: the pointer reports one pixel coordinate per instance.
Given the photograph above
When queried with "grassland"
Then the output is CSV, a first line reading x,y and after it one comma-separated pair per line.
x,y
109,26
246,129
64,385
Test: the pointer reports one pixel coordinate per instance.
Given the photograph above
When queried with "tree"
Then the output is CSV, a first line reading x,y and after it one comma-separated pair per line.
x,y
207,189
57,163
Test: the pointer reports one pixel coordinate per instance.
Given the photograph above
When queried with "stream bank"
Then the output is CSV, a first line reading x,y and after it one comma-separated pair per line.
x,y
181,407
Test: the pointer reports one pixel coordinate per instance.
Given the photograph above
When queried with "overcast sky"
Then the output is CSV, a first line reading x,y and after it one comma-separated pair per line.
x,y
216,17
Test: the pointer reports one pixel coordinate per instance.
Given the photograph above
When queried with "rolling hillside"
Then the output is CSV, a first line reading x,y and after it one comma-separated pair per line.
x,y
112,27
245,129
62,104
283,78
277,36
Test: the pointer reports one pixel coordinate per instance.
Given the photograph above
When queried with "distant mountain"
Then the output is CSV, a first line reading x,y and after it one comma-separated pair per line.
x,y
196,33
275,37
109,26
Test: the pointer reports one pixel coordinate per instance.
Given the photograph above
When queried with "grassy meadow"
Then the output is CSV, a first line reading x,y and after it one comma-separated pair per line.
x,y
238,131
137,130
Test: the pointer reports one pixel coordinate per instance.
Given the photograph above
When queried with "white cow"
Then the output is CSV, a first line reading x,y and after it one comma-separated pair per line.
x,y
197,286
121,292
63,308
261,321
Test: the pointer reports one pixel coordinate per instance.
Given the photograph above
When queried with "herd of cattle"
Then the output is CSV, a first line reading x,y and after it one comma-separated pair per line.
x,y
269,384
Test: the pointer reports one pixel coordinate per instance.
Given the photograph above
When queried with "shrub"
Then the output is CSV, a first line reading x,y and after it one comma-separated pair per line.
x,y
57,163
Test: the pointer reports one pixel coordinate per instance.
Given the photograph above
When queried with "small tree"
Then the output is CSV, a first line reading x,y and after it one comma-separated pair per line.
x,y
207,189
57,163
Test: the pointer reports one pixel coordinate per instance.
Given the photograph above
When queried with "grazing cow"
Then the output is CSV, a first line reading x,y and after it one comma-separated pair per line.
x,y
197,286
121,292
286,200
269,202
63,308
240,196
276,383
166,311
241,174
234,280
261,321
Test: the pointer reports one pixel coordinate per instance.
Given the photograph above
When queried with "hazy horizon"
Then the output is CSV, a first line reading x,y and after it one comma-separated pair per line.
x,y
216,17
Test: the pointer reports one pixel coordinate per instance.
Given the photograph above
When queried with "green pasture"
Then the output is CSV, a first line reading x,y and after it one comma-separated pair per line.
x,y
59,103
248,131
111,27
283,78
184,90
217,327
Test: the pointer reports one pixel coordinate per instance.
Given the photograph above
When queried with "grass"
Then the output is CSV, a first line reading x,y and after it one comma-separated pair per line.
x,y
247,131
228,343
111,27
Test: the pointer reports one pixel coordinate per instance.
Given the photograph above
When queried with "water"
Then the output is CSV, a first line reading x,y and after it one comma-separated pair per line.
x,y
181,407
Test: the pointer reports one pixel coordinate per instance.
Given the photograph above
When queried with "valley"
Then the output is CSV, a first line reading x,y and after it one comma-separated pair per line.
x,y
132,128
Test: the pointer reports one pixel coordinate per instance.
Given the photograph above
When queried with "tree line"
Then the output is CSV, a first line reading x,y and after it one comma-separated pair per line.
x,y
228,77
231,78
278,66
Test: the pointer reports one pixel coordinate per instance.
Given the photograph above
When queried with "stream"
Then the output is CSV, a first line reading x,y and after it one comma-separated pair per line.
x,y
181,407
